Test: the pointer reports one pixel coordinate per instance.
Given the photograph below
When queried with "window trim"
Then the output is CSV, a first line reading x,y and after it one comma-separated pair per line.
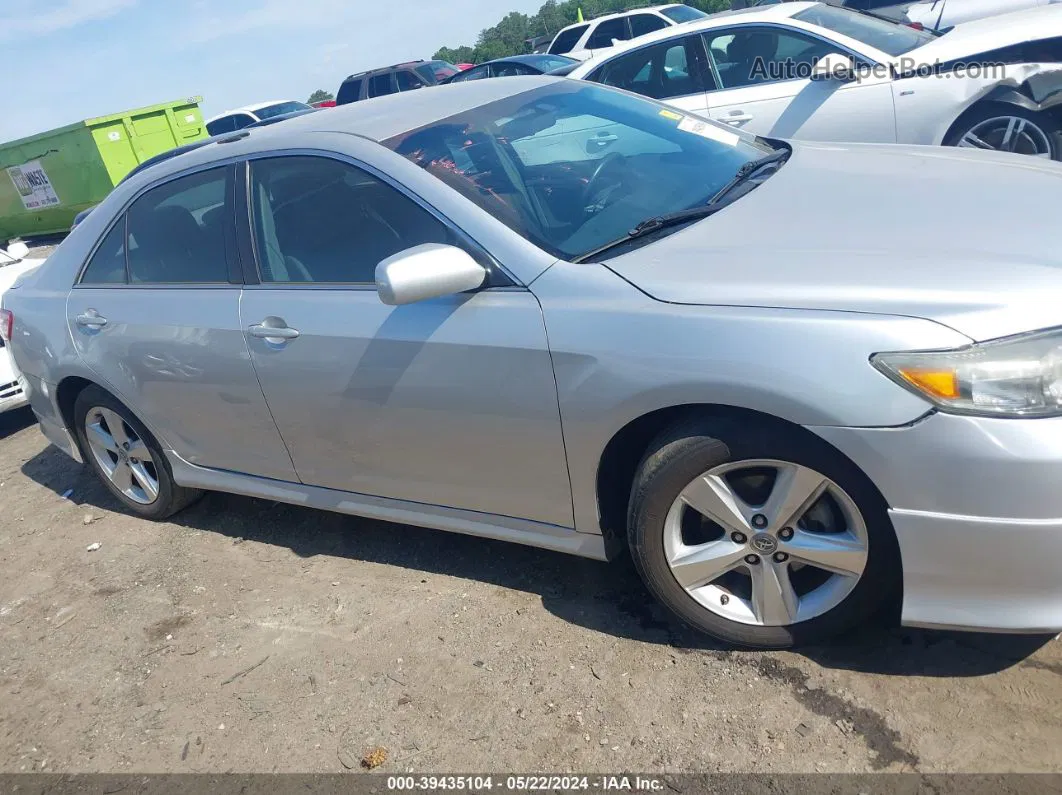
x,y
722,30
497,276
232,265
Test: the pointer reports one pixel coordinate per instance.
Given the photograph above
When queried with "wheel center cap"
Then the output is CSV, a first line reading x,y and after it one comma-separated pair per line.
x,y
124,456
764,543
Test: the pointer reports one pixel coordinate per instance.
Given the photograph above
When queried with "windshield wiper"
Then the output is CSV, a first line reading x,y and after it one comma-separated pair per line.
x,y
714,205
747,171
650,225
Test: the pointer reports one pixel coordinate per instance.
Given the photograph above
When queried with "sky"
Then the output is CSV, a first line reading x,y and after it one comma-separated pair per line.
x,y
66,60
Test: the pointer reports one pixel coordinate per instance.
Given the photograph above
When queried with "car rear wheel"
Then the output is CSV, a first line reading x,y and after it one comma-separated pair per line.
x,y
1008,129
760,537
126,457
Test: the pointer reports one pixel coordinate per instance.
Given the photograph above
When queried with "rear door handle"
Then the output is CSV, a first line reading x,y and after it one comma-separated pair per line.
x,y
264,332
737,117
91,319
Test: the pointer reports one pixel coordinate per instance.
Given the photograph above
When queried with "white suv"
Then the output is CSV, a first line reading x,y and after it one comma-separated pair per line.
x,y
13,264
583,38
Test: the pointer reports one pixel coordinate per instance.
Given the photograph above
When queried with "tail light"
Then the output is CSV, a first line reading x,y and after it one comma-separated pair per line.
x,y
7,323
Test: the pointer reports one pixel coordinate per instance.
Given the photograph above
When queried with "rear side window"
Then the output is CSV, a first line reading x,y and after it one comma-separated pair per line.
x,y
567,39
662,71
107,265
323,221
350,91
242,120
177,231
380,85
607,31
645,23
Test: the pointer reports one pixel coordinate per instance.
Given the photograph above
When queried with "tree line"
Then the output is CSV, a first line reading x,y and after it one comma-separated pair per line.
x,y
510,35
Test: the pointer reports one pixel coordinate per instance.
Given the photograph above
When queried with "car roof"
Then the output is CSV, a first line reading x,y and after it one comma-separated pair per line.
x,y
375,119
616,15
402,65
768,13
528,59
249,108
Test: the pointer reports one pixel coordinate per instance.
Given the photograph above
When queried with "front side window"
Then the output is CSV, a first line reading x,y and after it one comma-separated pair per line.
x,y
319,220
645,23
752,55
567,39
407,81
662,71
681,14
608,30
177,231
890,37
107,265
380,85
571,166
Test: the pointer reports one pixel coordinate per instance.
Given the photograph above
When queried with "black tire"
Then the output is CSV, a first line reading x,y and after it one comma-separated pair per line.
x,y
171,497
1048,125
691,448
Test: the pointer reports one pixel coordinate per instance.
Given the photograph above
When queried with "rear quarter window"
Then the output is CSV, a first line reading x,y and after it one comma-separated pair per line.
x,y
350,91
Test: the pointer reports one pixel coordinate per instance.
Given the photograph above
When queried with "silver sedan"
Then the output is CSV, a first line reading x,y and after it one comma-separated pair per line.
x,y
793,381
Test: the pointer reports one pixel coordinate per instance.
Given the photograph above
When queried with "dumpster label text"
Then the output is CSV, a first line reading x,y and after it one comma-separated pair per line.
x,y
33,186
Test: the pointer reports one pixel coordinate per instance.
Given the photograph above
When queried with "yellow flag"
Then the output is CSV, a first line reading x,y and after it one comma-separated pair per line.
x,y
579,16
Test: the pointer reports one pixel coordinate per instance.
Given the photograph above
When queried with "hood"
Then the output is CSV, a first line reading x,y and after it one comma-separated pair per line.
x,y
10,272
968,239
988,34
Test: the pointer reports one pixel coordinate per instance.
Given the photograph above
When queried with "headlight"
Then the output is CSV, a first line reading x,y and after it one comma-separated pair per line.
x,y
1012,377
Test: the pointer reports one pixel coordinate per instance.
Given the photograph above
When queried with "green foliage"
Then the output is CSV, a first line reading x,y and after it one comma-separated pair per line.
x,y
510,35
320,95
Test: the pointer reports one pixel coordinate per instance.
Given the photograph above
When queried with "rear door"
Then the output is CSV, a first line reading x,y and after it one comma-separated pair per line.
x,y
156,315
449,402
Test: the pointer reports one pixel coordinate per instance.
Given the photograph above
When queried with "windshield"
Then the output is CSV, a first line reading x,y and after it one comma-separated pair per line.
x,y
682,14
281,107
890,37
434,71
572,166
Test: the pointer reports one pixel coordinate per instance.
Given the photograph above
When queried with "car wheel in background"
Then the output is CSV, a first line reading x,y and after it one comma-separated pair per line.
x,y
760,536
1008,128
126,456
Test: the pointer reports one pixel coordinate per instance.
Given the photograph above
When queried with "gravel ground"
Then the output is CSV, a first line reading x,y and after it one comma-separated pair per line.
x,y
255,637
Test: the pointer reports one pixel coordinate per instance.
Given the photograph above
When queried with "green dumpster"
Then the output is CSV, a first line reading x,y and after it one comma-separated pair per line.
x,y
46,179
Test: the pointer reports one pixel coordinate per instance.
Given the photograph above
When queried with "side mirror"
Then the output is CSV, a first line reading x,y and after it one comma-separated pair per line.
x,y
834,66
428,271
18,249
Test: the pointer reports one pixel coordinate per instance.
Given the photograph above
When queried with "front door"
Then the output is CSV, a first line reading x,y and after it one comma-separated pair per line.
x,y
448,402
764,89
156,316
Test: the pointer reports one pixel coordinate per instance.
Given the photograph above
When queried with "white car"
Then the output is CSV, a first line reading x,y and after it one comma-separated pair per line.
x,y
585,39
232,120
813,71
941,14
13,264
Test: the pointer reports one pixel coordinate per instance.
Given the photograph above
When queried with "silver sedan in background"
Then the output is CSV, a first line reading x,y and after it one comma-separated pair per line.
x,y
559,314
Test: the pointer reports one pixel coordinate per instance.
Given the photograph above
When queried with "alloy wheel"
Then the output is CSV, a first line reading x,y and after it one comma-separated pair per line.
x,y
765,542
122,455
1008,134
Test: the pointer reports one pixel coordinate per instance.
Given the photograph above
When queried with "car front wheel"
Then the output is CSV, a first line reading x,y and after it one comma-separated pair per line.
x,y
760,537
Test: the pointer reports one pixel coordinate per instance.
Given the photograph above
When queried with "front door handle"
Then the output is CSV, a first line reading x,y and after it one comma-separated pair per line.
x,y
737,117
91,319
278,333
602,139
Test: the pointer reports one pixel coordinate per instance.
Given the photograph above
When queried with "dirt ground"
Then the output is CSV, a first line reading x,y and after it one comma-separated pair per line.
x,y
255,637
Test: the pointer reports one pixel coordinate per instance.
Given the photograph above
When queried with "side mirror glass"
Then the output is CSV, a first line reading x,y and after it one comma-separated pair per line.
x,y
834,66
428,271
